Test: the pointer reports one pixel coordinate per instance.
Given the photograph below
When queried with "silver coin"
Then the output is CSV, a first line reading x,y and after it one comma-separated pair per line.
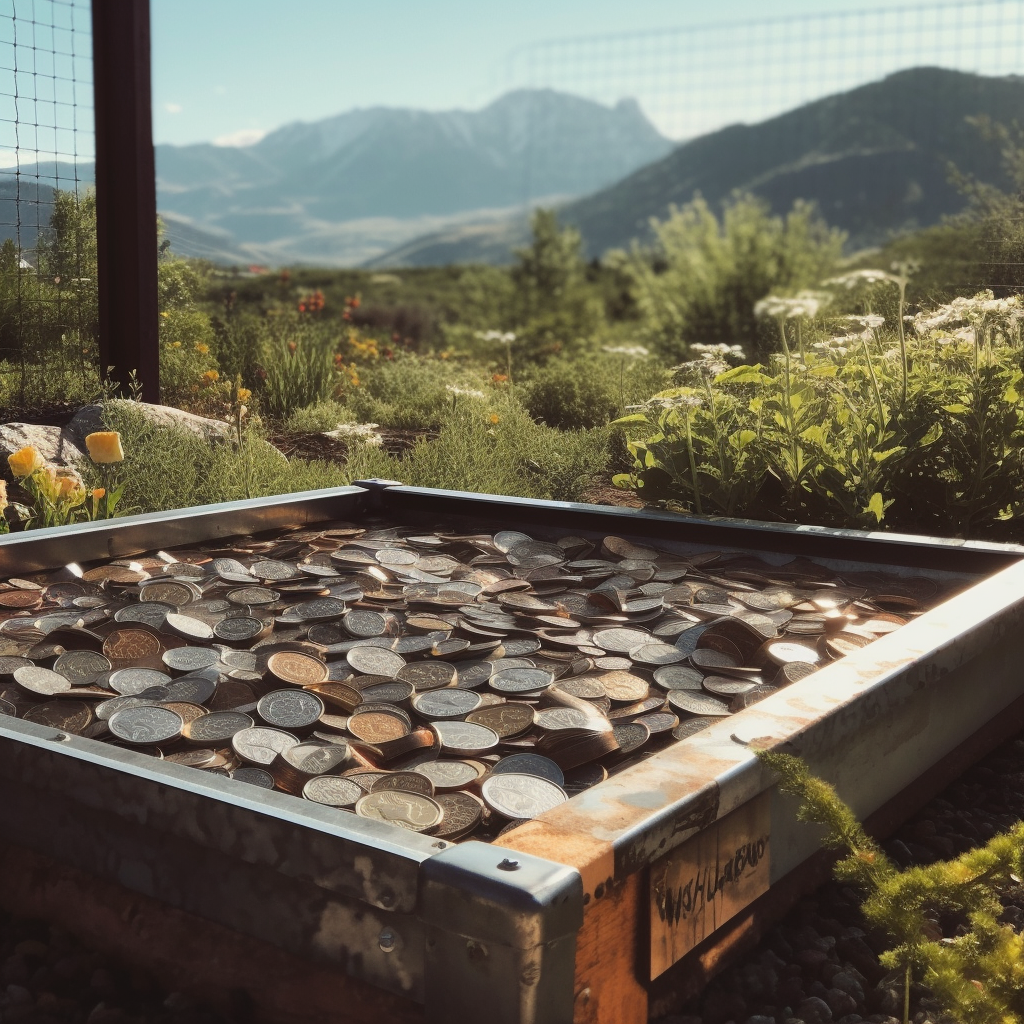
x,y
188,627
656,653
360,623
520,680
521,796
273,570
678,677
465,738
41,681
446,703
259,745
254,777
129,682
692,726
253,596
621,640
81,667
321,609
171,592
107,708
428,675
696,703
189,659
530,764
238,629
145,725
520,647
373,661
192,689
388,693
152,614
217,726
290,709
332,790
448,774
555,719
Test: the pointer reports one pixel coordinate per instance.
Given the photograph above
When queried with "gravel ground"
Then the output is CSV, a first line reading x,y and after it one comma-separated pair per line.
x,y
820,964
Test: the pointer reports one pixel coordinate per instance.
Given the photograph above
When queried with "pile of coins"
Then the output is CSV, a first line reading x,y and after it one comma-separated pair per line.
x,y
453,684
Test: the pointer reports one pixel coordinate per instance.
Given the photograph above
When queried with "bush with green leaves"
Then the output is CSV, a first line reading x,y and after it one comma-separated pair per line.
x,y
924,431
978,975
700,280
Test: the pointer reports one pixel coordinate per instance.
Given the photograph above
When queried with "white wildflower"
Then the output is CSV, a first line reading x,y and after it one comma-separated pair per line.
x,y
501,337
804,304
454,389
365,433
630,351
854,278
870,321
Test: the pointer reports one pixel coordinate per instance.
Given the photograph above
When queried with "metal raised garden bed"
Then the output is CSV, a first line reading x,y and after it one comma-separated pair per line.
x,y
620,900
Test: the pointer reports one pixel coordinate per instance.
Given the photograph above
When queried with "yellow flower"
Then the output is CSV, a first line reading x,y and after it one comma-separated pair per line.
x,y
25,462
175,344
3,496
495,417
165,314
211,376
201,348
244,394
105,446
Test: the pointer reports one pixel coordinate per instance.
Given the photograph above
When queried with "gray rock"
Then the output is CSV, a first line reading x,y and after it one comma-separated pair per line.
x,y
846,982
814,1011
89,419
51,443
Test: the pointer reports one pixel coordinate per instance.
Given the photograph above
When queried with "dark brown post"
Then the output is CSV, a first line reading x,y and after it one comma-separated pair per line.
x,y
125,193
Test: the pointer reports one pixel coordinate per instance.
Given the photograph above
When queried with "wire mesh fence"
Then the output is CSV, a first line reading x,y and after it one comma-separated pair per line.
x,y
765,74
48,288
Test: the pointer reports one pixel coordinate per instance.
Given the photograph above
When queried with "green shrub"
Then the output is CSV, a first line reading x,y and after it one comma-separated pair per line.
x,y
978,975
572,395
296,370
701,279
317,418
166,468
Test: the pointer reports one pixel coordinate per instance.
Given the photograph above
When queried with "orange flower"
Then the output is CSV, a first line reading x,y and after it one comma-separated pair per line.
x,y
244,394
292,346
499,378
212,376
201,348
98,493
495,418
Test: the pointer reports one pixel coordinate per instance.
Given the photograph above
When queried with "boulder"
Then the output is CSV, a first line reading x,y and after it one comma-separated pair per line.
x,y
89,419
51,442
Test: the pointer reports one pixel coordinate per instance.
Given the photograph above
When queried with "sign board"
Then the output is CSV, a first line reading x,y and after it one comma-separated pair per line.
x,y
697,887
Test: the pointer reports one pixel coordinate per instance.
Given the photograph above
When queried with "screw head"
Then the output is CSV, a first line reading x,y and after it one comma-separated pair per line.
x,y
387,940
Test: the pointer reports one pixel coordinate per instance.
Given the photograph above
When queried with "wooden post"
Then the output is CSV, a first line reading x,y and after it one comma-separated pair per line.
x,y
125,193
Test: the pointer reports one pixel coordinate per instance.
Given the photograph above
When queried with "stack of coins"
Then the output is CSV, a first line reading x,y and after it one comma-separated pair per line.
x,y
452,684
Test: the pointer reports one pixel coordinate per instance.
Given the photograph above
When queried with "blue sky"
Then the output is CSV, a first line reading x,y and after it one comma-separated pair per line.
x,y
224,67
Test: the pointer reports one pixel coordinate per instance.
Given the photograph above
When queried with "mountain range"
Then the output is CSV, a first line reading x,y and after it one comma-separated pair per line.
x,y
875,160
387,187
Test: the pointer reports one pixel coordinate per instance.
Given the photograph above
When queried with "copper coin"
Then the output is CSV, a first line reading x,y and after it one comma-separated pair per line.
x,y
509,719
462,814
407,782
131,645
623,686
377,727
67,715
297,668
